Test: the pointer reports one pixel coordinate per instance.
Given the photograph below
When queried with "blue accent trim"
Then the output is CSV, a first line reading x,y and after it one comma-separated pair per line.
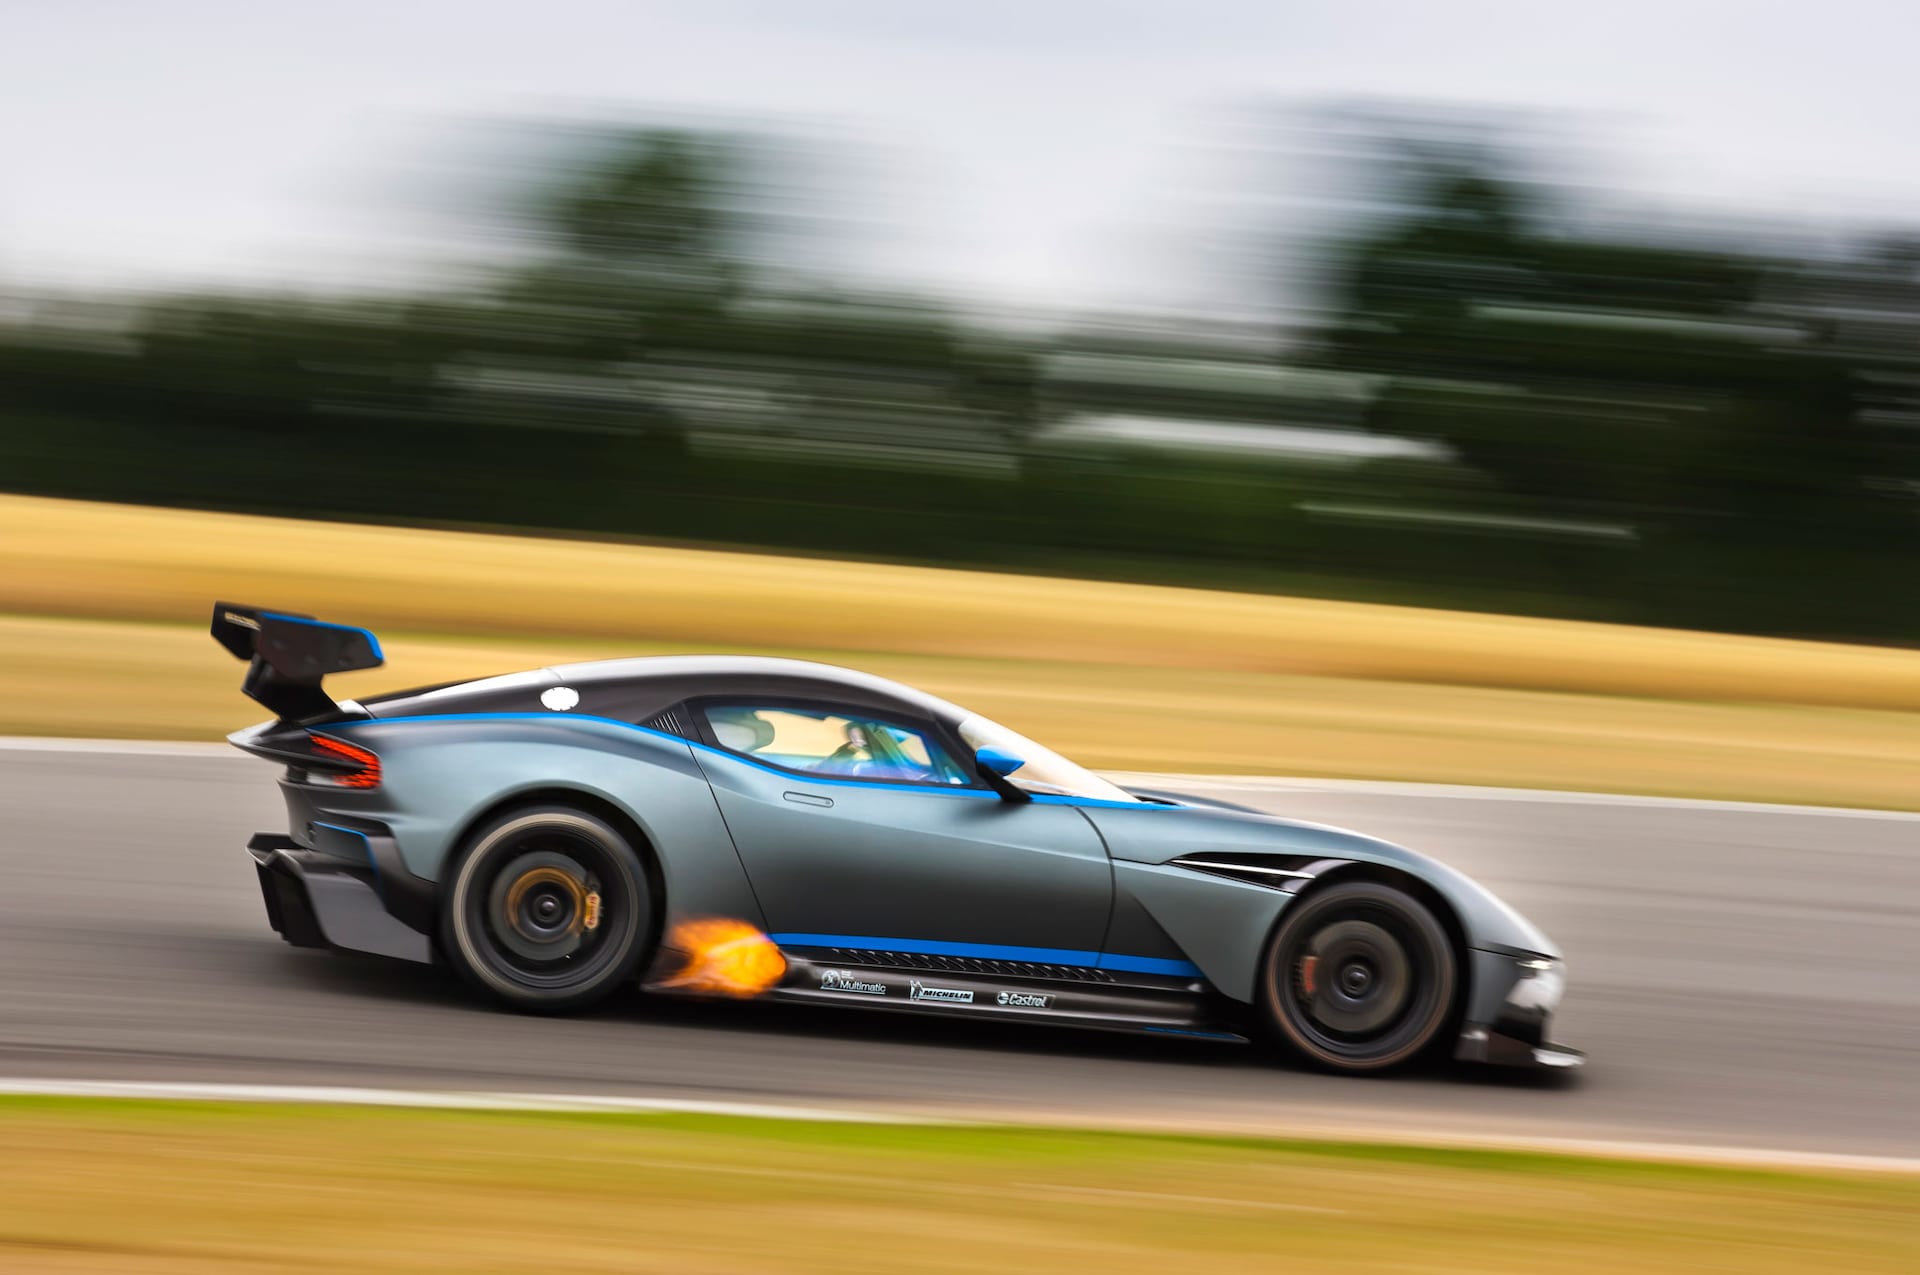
x,y
372,641
997,952
938,789
1188,1031
1149,965
1041,799
999,760
366,843
513,717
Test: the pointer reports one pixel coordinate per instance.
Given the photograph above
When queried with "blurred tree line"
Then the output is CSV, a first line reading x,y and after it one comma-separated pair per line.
x,y
1503,401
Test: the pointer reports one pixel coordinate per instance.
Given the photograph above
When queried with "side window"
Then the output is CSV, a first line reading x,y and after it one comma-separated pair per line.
x,y
828,742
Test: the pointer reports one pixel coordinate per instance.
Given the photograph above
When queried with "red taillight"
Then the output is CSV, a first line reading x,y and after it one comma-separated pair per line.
x,y
366,772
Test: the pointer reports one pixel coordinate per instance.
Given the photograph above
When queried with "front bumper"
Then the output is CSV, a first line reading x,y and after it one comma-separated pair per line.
x,y
1513,999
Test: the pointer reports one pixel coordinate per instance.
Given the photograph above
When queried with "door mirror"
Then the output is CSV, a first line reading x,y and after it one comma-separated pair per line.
x,y
998,762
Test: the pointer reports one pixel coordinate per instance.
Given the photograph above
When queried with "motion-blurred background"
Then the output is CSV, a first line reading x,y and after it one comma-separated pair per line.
x,y
1617,321
1601,317
1478,393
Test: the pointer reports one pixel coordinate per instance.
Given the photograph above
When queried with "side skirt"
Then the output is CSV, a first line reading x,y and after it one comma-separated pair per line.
x,y
1181,1008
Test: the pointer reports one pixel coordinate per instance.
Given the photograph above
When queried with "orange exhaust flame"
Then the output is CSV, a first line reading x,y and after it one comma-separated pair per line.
x,y
725,957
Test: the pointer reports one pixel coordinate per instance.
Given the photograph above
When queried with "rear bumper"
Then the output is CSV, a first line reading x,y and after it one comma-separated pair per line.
x,y
317,899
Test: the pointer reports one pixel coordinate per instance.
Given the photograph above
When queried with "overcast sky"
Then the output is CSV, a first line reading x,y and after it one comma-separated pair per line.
x,y
1033,152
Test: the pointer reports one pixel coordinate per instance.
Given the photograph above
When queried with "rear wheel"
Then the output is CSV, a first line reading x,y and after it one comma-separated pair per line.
x,y
1359,977
547,910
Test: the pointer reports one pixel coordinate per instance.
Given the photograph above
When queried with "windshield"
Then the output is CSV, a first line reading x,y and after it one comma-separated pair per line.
x,y
1045,771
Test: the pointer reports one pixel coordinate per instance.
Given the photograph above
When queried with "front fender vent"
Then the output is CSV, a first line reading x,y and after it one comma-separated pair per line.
x,y
1278,872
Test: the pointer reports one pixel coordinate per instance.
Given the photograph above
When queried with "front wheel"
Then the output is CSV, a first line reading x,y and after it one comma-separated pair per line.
x,y
547,910
1359,977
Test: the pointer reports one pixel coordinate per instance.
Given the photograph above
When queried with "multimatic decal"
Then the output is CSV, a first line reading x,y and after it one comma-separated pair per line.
x,y
1023,1000
952,995
847,981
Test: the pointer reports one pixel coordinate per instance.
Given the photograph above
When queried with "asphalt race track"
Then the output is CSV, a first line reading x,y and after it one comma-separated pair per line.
x,y
1741,976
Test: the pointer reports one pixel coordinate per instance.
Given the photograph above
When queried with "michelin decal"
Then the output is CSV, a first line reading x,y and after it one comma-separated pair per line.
x,y
951,995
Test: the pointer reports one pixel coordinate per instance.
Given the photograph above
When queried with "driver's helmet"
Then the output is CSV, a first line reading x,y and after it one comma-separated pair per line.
x,y
741,729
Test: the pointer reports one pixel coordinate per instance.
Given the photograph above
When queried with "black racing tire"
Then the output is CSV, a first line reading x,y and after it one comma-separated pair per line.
x,y
546,910
1359,977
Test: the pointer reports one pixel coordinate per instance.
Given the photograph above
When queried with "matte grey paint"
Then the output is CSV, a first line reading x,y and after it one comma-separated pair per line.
x,y
1221,925
1134,930
881,861
442,775
934,864
1157,834
737,839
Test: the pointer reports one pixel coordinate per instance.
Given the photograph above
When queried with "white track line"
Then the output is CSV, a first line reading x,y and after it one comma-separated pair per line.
x,y
463,1100
447,1099
480,1101
1202,783
116,747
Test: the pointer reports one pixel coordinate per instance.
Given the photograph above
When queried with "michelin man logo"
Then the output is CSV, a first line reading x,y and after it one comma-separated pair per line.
x,y
559,698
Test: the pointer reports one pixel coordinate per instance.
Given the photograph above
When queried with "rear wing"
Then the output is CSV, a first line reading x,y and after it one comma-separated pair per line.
x,y
288,654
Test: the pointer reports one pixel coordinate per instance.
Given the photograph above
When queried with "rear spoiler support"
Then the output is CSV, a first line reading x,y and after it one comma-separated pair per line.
x,y
288,654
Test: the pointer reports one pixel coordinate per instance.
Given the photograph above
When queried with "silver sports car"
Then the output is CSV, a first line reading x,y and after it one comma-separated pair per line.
x,y
733,826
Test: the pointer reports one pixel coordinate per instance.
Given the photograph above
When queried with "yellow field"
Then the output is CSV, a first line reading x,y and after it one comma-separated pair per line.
x,y
148,1189
102,614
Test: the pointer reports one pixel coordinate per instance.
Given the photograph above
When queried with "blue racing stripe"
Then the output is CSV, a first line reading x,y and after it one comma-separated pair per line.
x,y
997,952
1148,965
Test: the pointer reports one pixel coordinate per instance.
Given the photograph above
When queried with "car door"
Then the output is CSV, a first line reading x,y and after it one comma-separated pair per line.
x,y
861,830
